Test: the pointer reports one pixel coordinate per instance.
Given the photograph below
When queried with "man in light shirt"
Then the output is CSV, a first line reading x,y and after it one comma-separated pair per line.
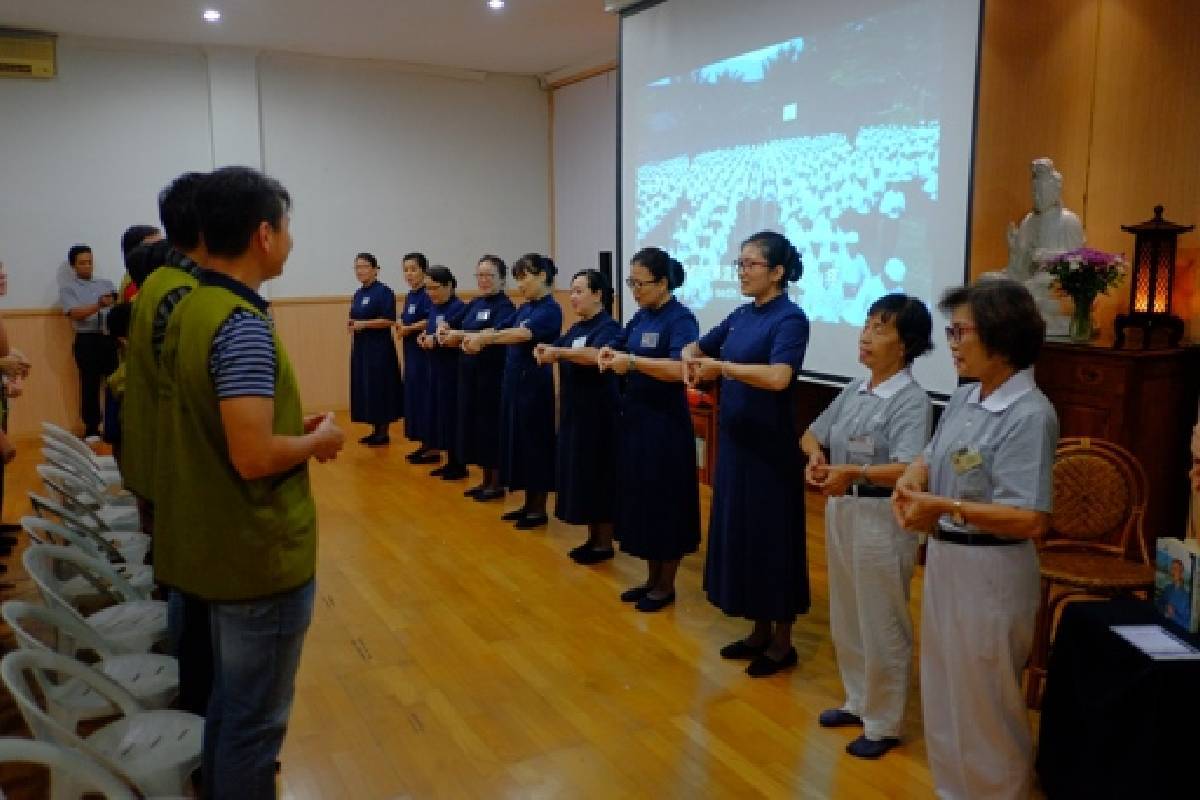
x,y
85,300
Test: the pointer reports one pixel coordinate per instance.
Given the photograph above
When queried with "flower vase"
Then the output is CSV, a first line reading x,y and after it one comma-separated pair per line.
x,y
1081,318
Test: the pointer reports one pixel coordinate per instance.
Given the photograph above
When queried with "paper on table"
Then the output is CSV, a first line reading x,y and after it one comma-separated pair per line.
x,y
1156,642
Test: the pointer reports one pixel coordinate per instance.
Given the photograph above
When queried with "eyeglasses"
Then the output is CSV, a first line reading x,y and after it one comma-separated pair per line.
x,y
745,264
954,333
635,284
482,275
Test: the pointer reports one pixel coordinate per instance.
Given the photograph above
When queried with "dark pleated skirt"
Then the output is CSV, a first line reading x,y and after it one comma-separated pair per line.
x,y
527,429
442,427
587,460
479,379
376,391
416,390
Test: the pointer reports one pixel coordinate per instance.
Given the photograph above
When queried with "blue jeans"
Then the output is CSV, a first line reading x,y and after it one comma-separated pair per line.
x,y
256,652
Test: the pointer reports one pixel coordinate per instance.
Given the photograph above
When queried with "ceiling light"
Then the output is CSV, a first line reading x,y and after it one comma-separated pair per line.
x,y
495,5
212,15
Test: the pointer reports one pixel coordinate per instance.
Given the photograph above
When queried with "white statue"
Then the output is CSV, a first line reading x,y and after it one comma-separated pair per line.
x,y
1045,231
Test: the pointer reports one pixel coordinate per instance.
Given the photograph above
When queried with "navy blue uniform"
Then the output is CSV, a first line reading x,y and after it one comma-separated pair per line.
x,y
443,380
416,368
658,497
587,454
376,391
479,378
527,400
757,566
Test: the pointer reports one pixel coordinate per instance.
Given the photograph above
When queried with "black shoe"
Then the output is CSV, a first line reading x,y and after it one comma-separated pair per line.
x,y
10,527
862,747
764,665
742,650
423,456
378,441
366,439
635,594
838,718
440,471
514,515
474,491
454,472
650,604
530,521
590,556
486,495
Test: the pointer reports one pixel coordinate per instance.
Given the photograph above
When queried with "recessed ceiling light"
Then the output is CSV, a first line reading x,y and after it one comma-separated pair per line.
x,y
212,15
495,5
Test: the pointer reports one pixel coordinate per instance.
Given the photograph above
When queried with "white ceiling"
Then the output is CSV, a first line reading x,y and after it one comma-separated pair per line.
x,y
533,37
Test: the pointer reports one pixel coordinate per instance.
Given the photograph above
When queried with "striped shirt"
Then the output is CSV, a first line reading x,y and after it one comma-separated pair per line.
x,y
242,361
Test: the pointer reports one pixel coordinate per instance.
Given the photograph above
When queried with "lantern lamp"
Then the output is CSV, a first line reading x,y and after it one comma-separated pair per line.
x,y
1151,279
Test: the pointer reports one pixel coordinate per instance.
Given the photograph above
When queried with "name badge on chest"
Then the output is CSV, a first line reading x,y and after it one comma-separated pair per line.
x,y
412,308
440,319
579,341
966,459
366,300
484,315
863,445
650,339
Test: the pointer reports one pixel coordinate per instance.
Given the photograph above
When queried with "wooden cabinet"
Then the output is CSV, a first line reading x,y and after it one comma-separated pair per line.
x,y
1143,400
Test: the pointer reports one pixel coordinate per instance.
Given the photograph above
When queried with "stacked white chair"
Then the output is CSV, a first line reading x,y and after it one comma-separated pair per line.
x,y
118,511
81,520
72,774
132,624
154,750
62,436
153,680
129,551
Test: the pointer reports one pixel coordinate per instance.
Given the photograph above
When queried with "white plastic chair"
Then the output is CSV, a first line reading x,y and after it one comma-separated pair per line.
x,y
152,679
133,624
155,751
114,510
125,551
81,520
71,441
62,457
72,774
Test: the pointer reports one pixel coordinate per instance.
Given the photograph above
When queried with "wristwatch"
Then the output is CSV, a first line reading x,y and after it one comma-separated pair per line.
x,y
957,516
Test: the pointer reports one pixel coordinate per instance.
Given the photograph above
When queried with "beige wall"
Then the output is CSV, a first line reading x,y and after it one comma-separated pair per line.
x,y
1107,88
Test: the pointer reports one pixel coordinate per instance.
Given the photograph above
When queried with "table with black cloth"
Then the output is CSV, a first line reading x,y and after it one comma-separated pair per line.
x,y
1115,722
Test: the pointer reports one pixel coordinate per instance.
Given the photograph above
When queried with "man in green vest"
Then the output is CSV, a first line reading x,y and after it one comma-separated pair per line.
x,y
236,522
164,271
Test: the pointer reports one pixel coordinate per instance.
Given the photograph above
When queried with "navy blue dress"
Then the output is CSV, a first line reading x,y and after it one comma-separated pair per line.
x,y
416,368
442,420
527,400
658,495
376,391
757,566
479,378
587,453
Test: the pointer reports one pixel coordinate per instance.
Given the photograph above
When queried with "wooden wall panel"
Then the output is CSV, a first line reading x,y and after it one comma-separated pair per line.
x,y
52,391
1035,92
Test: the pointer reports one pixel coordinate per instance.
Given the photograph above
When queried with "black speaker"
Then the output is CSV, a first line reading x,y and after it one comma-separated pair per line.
x,y
605,265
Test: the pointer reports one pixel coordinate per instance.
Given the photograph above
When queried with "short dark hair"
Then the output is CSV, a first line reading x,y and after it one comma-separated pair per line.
x,y
597,283
134,235
443,276
778,251
177,211
117,320
145,258
420,258
660,264
76,251
912,319
497,262
367,257
1006,318
232,202
537,265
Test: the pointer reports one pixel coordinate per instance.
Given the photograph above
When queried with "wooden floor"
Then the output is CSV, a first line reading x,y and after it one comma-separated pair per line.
x,y
454,656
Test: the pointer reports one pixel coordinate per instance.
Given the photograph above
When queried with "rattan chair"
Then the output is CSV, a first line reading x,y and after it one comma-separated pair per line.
x,y
1095,548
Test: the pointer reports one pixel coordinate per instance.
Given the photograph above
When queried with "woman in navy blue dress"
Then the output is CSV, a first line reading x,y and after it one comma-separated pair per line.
x,y
441,431
586,456
756,566
527,389
376,391
658,498
416,359
479,379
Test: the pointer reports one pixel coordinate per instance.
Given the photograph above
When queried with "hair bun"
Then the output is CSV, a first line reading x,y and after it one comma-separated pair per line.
x,y
675,274
795,264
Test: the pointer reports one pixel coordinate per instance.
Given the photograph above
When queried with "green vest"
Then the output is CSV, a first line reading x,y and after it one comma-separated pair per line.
x,y
217,535
139,408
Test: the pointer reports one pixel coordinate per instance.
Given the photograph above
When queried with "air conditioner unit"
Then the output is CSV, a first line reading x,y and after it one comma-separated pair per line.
x,y
613,6
27,55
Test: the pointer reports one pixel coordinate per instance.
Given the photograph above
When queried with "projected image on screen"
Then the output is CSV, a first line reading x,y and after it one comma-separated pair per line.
x,y
842,125
850,191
